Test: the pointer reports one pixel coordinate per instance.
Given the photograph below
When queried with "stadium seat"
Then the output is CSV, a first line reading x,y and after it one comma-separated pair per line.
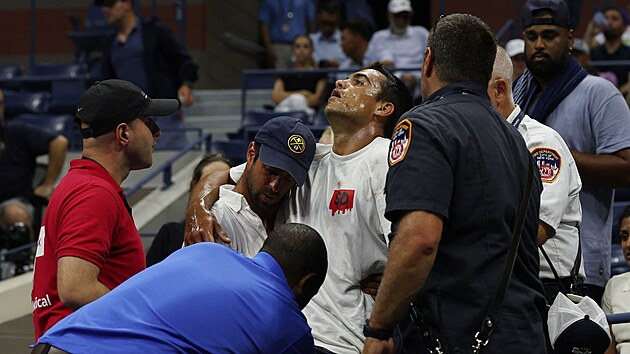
x,y
61,70
17,102
8,72
235,150
53,123
622,195
65,95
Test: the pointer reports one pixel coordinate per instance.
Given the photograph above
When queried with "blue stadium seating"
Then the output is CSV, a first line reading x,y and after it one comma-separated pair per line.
x,y
17,102
8,72
54,123
235,150
60,70
65,95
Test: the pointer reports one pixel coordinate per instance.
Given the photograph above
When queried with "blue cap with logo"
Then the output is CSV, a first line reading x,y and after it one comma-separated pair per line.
x,y
286,143
559,9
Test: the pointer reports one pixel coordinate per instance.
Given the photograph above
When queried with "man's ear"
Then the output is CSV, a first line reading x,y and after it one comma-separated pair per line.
x,y
427,64
123,133
384,109
251,153
500,90
305,288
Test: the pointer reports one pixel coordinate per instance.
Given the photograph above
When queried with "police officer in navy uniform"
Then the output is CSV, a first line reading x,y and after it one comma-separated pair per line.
x,y
457,174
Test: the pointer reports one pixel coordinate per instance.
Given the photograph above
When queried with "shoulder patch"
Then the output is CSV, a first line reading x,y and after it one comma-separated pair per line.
x,y
549,163
400,142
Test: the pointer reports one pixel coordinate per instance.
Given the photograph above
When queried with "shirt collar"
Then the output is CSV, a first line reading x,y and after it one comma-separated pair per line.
x,y
466,87
235,201
95,169
335,38
514,114
266,261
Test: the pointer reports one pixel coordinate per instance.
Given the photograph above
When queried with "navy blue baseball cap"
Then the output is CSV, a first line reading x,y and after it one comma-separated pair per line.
x,y
286,143
559,8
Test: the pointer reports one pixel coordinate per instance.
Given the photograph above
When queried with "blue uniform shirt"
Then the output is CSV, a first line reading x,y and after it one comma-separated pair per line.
x,y
456,157
128,58
205,298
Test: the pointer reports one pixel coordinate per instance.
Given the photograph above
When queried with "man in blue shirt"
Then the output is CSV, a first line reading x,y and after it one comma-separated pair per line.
x,y
146,53
280,22
327,40
592,117
206,298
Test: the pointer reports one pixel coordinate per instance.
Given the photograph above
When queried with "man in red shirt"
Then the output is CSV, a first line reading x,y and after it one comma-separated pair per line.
x,y
88,243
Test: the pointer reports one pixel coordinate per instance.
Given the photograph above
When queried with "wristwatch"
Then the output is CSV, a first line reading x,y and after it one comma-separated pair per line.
x,y
381,334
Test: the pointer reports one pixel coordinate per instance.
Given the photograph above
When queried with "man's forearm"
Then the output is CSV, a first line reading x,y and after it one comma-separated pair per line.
x,y
612,171
409,263
83,296
56,158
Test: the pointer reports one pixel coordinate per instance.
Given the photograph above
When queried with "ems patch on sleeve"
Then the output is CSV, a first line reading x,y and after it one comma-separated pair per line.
x,y
400,142
548,162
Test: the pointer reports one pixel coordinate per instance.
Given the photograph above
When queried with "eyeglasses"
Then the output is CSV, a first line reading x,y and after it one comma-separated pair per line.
x,y
151,124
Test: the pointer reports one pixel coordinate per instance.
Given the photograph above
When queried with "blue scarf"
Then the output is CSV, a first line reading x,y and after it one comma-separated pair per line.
x,y
560,87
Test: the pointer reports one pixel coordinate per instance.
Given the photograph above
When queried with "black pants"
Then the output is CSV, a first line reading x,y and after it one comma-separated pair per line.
x,y
47,349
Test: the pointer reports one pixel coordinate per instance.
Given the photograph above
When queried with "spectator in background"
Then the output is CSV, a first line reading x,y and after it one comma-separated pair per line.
x,y
358,10
515,48
206,299
146,53
613,48
327,40
617,294
88,243
170,237
300,91
20,144
400,45
591,116
280,22
355,39
582,54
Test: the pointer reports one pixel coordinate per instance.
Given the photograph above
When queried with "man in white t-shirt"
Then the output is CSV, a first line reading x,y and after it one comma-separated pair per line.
x,y
560,208
401,45
342,198
277,160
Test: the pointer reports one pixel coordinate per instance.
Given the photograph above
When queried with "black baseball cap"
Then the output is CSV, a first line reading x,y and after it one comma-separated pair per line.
x,y
286,143
111,102
559,8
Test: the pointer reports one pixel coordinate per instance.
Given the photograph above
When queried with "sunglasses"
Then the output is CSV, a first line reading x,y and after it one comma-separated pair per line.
x,y
151,124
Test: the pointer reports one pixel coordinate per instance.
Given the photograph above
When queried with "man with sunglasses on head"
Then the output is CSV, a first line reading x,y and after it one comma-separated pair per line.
x,y
88,243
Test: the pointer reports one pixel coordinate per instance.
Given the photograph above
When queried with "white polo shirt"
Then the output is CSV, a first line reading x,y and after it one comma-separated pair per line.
x,y
560,205
244,228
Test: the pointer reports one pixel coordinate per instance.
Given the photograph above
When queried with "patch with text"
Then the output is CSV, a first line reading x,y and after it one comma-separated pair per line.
x,y
548,162
400,142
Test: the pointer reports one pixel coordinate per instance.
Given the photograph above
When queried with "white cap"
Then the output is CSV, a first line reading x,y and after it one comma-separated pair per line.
x,y
515,47
396,6
580,45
